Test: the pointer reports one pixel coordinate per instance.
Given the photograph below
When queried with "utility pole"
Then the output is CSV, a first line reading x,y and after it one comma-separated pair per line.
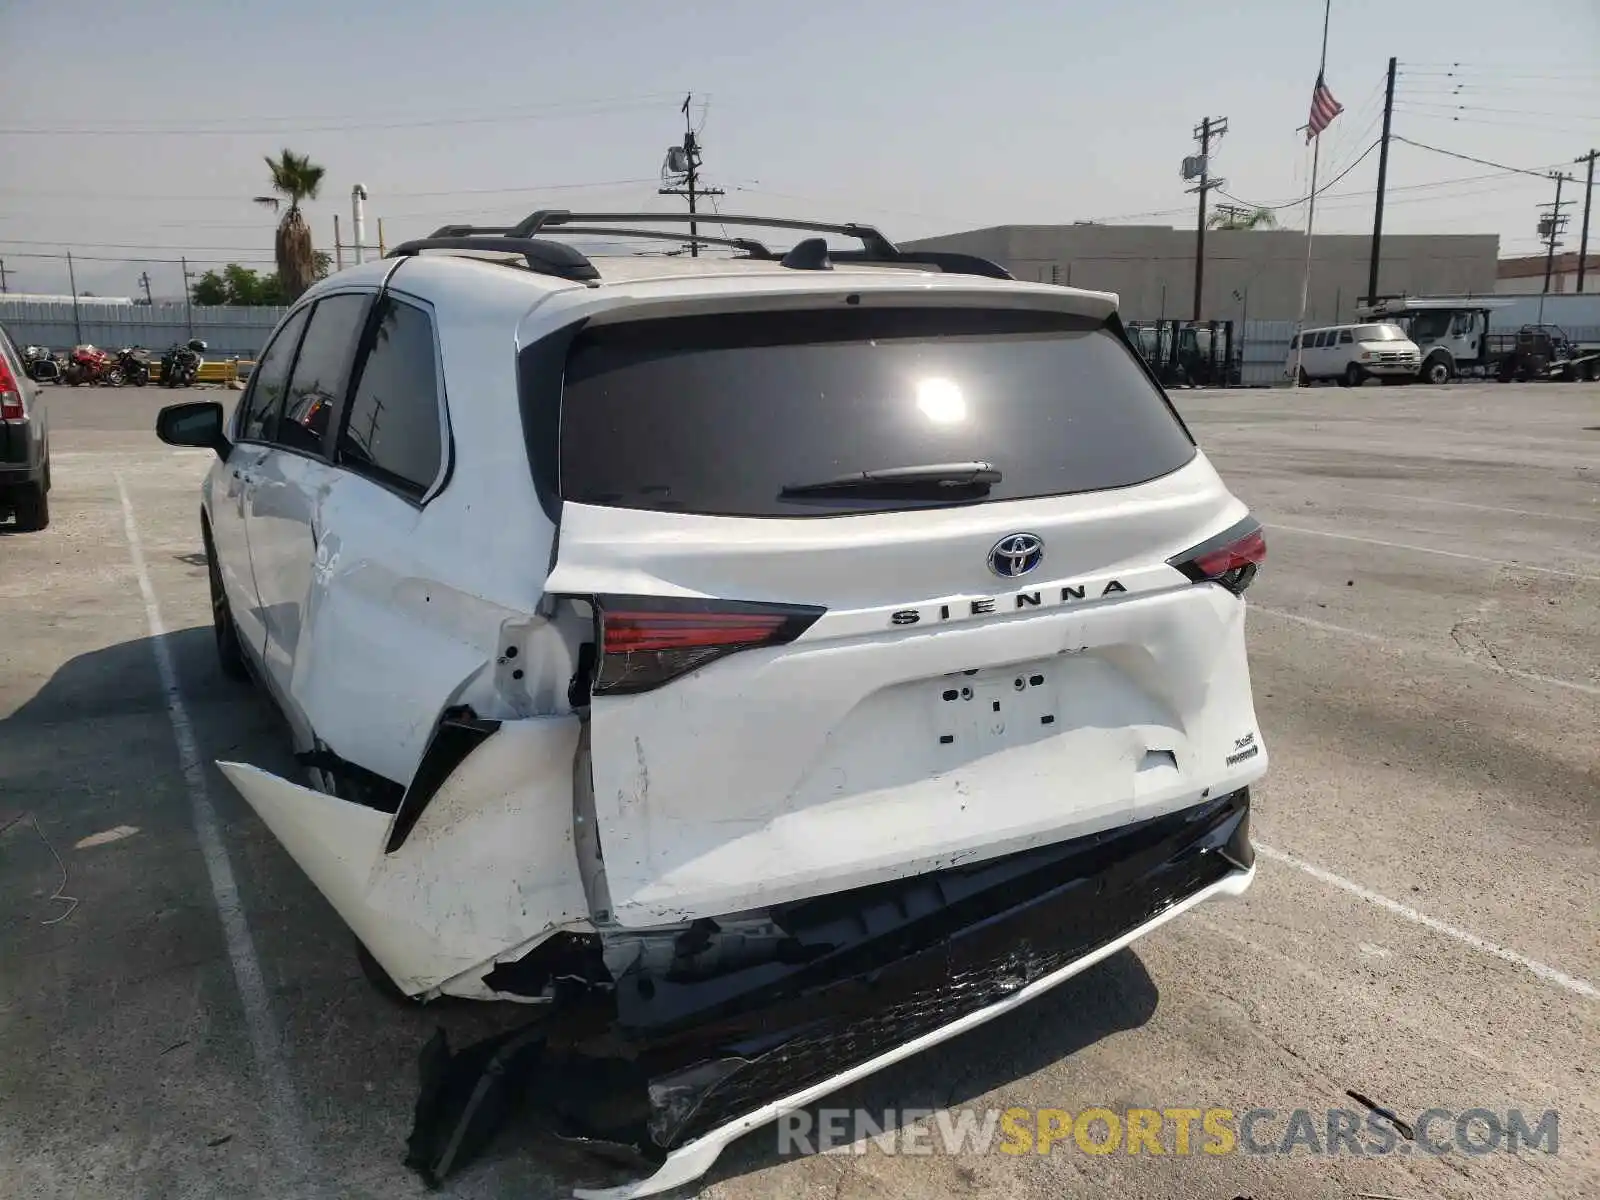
x,y
685,160
188,297
1199,168
1550,228
77,319
144,282
1383,178
3,287
1583,238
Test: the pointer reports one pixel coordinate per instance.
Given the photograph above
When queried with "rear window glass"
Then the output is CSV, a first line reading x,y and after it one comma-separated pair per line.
x,y
721,414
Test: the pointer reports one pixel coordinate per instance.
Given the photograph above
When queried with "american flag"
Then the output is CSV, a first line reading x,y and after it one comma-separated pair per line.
x,y
1324,108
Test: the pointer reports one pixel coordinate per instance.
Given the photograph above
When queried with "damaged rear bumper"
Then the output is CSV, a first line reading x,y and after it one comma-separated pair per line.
x,y
675,1071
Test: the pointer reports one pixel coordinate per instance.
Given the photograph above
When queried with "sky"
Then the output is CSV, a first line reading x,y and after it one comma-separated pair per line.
x,y
136,134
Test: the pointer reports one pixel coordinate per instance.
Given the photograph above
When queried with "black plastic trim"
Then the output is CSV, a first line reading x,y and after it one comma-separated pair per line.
x,y
945,260
543,257
871,239
459,732
875,968
541,374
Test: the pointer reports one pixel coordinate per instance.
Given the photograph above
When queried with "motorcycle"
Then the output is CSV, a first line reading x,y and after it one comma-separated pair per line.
x,y
180,366
132,366
87,365
40,365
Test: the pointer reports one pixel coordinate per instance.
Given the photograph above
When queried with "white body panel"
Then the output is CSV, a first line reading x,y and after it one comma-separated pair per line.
x,y
486,871
227,497
815,767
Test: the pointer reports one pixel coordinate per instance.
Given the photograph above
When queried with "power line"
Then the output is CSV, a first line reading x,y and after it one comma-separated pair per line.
x,y
1482,162
502,117
1320,190
130,245
141,258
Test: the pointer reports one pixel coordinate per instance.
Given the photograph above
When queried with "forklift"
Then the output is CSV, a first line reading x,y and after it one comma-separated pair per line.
x,y
1189,353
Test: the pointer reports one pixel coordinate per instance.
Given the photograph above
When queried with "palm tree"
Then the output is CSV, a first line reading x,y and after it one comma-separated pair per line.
x,y
295,178
1239,218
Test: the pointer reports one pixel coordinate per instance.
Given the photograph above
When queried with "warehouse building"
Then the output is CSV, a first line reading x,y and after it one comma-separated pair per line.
x,y
1250,274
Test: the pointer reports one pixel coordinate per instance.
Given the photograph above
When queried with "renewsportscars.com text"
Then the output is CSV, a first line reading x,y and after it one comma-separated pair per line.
x,y
1167,1131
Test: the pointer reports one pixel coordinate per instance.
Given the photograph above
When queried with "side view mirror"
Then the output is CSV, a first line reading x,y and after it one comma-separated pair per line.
x,y
197,423
196,345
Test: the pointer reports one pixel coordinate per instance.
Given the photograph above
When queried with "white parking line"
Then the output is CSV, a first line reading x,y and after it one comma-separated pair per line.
x,y
1402,644
282,1104
1549,974
1494,562
1499,508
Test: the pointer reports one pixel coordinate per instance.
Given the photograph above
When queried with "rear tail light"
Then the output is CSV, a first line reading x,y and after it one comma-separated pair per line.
x,y
1231,558
646,641
10,394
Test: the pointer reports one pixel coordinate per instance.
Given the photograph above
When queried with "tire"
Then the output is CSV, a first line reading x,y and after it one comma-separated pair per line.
x,y
139,376
1305,380
230,653
1353,376
32,506
1436,371
115,377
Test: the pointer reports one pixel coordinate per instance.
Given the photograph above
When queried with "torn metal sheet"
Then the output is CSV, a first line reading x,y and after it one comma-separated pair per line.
x,y
676,1068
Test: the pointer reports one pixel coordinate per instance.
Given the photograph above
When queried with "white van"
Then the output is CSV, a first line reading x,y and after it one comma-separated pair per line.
x,y
1352,354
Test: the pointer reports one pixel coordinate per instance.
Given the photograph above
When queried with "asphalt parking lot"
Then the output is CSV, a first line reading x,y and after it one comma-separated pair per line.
x,y
1425,647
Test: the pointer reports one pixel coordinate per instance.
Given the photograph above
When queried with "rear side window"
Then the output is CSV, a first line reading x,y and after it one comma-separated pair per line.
x,y
269,380
321,372
721,414
1344,337
393,431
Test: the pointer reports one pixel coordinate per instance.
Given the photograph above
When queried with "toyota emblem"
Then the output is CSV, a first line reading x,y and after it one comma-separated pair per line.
x,y
1016,554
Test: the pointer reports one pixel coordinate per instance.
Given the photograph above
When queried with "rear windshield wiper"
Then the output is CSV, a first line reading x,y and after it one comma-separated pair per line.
x,y
958,475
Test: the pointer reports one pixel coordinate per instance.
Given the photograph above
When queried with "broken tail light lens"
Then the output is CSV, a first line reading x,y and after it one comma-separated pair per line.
x,y
646,641
1232,558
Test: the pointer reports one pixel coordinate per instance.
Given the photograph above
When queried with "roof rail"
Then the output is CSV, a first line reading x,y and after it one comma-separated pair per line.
x,y
542,256
566,262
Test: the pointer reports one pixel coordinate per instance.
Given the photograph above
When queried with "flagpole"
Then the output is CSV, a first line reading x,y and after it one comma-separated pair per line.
x,y
1311,211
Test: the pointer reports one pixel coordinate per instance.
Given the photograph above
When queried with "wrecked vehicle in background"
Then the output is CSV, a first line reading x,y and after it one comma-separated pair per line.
x,y
765,668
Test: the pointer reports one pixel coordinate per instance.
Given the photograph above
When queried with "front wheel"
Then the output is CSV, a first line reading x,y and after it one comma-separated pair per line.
x,y
139,375
230,654
1353,376
1436,371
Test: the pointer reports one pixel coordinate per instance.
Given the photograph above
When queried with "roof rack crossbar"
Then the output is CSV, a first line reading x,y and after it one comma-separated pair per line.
x,y
549,257
880,247
750,246
474,230
542,255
